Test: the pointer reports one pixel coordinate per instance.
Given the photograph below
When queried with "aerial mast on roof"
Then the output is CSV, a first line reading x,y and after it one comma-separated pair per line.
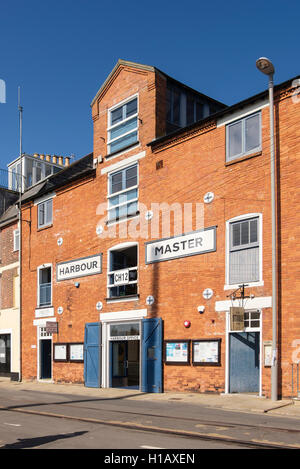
x,y
20,109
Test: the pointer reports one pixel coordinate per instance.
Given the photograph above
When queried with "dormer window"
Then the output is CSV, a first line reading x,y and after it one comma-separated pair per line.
x,y
122,129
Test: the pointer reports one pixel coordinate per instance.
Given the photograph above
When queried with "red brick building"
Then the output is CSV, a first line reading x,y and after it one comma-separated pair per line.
x,y
132,253
10,291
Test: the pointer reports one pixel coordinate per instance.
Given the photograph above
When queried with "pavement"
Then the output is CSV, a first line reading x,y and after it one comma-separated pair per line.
x,y
250,403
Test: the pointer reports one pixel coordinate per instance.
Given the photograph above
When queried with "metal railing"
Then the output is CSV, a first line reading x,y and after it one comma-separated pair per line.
x,y
10,180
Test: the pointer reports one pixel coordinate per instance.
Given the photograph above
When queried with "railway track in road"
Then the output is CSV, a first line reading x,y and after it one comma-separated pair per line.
x,y
210,433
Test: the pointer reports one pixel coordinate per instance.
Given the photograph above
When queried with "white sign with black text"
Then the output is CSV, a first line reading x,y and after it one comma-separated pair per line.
x,y
191,244
121,277
79,267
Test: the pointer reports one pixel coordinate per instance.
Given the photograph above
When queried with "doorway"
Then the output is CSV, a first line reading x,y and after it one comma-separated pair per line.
x,y
5,350
244,362
45,359
125,363
244,347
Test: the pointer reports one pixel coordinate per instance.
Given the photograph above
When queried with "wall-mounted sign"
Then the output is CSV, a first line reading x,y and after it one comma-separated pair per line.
x,y
237,318
177,352
44,312
99,305
121,277
191,244
124,337
79,267
51,327
206,352
76,352
60,352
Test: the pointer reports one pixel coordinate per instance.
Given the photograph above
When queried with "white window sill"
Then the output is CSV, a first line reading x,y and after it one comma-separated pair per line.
x,y
247,285
121,220
111,156
121,300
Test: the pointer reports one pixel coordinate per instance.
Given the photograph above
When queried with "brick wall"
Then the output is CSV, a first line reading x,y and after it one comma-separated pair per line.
x,y
8,256
193,164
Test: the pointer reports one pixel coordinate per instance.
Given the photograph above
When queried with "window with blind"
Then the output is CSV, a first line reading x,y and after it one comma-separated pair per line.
x,y
244,251
123,193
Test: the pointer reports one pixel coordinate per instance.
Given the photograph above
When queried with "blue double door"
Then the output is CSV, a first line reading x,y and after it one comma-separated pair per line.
x,y
132,363
244,362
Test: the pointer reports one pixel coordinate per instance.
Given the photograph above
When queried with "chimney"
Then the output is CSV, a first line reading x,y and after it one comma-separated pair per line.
x,y
54,159
67,161
48,157
61,160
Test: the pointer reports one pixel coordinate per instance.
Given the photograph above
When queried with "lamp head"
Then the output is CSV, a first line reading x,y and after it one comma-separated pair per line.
x,y
265,66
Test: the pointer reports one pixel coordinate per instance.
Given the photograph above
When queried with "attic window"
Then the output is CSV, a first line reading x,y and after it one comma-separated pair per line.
x,y
122,126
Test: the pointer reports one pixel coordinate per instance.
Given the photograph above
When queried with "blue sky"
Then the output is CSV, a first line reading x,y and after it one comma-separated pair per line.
x,y
60,53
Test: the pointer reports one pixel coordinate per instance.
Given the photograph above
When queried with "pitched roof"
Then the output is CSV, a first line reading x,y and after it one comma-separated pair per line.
x,y
10,215
124,63
150,68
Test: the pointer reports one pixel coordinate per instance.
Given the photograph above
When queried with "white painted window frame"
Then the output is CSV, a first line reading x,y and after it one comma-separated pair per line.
x,y
120,317
40,325
16,235
243,153
109,196
227,351
245,217
44,202
39,268
110,272
112,127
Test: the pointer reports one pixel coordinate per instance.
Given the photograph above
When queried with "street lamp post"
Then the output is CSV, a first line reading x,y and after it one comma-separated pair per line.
x,y
265,66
